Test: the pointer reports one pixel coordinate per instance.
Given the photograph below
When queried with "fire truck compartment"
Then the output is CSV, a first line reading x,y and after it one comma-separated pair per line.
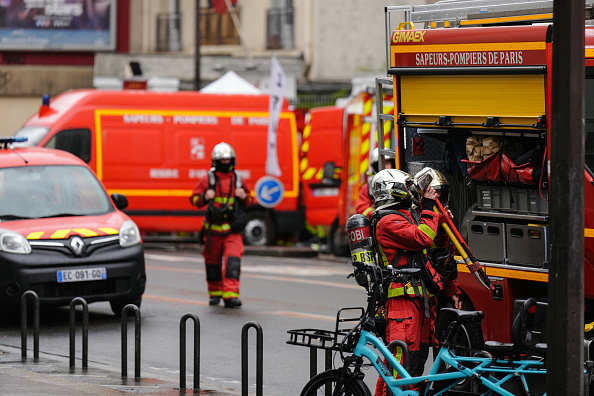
x,y
495,198
487,240
531,201
527,245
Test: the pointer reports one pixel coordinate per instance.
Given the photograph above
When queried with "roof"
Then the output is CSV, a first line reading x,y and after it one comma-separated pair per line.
x,y
31,156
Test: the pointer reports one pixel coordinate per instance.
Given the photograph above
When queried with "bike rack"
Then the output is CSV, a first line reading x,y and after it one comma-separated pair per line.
x,y
35,297
182,350
85,331
259,358
131,307
405,358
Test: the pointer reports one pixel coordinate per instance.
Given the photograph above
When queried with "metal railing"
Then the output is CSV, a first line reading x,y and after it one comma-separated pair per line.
x,y
169,32
217,29
280,28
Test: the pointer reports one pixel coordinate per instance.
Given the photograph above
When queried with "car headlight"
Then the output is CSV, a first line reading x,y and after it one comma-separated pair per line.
x,y
13,242
129,234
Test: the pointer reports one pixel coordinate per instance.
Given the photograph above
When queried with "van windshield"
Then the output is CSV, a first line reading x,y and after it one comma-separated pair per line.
x,y
32,192
34,133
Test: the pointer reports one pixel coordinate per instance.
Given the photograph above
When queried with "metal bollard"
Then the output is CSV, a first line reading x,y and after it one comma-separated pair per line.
x,y
259,358
35,297
182,350
405,358
131,307
85,331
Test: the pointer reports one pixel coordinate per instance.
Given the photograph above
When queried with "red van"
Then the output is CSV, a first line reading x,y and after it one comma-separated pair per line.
x,y
154,146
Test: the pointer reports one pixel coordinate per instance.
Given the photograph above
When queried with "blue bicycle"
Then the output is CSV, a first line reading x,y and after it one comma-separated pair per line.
x,y
502,368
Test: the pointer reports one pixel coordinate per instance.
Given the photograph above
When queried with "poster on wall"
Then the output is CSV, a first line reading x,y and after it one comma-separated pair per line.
x,y
59,25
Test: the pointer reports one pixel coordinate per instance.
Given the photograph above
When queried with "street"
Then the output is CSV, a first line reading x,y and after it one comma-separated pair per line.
x,y
278,293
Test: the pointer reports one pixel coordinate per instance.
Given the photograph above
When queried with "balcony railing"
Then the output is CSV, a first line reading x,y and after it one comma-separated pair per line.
x,y
169,32
217,29
280,28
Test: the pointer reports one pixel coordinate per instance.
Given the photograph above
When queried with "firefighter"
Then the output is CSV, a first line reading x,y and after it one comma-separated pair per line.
x,y
365,201
225,196
402,233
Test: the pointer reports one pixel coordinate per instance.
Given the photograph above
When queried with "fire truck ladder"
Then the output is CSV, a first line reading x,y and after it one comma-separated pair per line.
x,y
486,12
383,85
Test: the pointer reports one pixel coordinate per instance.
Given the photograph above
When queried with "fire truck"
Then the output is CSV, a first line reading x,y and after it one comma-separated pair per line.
x,y
471,84
336,146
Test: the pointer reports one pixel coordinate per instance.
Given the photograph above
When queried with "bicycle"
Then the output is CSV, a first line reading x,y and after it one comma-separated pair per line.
x,y
491,370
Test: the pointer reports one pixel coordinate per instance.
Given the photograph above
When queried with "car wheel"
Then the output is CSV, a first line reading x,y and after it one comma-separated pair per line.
x,y
256,231
118,305
339,244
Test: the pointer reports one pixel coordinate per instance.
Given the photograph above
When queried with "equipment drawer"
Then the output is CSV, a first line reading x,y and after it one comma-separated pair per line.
x,y
495,198
487,240
531,201
528,245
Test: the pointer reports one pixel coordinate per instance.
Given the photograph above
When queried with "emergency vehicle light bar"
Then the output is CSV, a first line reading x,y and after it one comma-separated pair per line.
x,y
5,141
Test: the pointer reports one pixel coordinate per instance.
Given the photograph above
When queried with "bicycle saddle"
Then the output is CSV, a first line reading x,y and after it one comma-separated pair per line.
x,y
463,316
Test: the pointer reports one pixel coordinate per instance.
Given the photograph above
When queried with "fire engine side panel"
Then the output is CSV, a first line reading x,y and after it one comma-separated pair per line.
x,y
321,145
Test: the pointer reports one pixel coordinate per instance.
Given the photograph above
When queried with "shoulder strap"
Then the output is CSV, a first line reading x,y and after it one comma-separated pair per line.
x,y
212,179
238,181
382,213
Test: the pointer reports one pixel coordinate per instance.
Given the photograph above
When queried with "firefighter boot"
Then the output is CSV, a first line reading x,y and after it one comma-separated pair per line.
x,y
214,300
232,303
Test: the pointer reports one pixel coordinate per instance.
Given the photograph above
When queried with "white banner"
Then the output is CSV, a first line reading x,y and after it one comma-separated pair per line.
x,y
277,97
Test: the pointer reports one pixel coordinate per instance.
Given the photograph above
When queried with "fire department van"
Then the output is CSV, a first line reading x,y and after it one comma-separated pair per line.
x,y
154,146
337,143
61,235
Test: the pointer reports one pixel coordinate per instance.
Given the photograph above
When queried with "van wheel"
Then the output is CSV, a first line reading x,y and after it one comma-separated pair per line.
x,y
339,244
256,232
118,305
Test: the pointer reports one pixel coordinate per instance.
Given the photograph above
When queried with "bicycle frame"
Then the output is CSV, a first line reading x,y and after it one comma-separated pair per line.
x,y
482,365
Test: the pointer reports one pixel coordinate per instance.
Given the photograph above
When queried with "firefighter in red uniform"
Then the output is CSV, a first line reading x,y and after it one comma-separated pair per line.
x,y
225,196
364,201
403,232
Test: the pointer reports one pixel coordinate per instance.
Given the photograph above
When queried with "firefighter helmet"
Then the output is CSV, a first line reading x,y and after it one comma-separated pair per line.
x,y
220,152
434,178
391,187
374,162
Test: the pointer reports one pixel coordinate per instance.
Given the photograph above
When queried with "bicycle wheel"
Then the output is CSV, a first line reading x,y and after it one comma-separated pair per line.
x,y
325,384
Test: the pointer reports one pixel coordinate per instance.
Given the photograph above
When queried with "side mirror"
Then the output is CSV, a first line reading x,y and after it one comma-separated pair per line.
x,y
120,201
328,175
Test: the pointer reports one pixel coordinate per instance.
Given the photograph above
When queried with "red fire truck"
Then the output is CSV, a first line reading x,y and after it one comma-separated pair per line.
x,y
472,98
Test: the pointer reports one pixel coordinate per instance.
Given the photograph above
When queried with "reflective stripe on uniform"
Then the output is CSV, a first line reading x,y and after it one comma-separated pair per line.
x,y
227,295
399,291
427,231
224,200
215,293
218,227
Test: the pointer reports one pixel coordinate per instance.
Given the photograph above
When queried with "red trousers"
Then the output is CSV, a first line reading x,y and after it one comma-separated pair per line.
x,y
406,321
222,258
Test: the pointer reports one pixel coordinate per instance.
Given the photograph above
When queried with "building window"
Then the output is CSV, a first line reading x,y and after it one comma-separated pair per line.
x,y
280,28
169,32
218,29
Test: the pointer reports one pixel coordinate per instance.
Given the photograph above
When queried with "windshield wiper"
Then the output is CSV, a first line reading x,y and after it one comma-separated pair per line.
x,y
14,217
60,215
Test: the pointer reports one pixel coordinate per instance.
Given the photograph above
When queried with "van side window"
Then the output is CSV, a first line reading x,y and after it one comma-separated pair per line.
x,y
75,141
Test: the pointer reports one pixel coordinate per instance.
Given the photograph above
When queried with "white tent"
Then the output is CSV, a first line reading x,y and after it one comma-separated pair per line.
x,y
230,83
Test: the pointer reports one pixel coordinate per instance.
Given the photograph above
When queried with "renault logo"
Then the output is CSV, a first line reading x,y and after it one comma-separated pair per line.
x,y
77,245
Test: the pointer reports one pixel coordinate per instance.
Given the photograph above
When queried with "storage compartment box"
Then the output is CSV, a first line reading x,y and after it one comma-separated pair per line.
x,y
487,241
527,245
531,201
495,198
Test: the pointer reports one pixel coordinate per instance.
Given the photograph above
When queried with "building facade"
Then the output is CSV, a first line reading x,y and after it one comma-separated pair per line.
x,y
321,44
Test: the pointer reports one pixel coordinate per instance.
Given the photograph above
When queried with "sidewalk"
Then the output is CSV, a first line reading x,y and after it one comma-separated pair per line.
x,y
51,375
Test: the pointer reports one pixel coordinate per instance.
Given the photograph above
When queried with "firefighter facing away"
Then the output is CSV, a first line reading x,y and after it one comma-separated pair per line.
x,y
225,196
365,198
405,227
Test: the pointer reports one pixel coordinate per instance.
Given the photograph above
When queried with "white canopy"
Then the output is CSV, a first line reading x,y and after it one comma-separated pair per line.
x,y
230,83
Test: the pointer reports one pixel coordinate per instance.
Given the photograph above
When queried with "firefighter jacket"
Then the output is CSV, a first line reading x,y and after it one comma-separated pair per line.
x,y
224,213
395,236
365,201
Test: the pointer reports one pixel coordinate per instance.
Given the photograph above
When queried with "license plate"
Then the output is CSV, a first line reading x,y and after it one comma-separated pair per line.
x,y
81,274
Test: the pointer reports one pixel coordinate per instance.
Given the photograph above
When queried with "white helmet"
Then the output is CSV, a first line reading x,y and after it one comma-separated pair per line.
x,y
434,178
223,151
374,162
391,187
